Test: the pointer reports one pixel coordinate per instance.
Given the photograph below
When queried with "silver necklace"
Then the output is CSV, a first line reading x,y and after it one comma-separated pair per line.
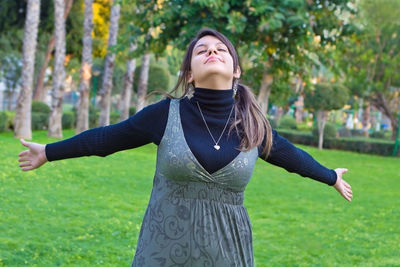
x,y
216,146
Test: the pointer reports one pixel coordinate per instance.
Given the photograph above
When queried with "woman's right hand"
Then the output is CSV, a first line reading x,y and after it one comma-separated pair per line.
x,y
32,158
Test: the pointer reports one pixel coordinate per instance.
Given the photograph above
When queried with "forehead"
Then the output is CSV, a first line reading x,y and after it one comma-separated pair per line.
x,y
208,40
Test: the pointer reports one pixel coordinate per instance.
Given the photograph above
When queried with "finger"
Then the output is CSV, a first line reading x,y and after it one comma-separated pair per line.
x,y
23,159
23,153
25,164
27,168
24,143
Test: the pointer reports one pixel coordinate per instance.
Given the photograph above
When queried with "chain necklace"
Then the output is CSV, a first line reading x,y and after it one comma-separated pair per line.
x,y
216,146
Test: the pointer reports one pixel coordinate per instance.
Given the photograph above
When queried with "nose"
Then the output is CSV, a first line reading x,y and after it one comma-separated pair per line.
x,y
211,50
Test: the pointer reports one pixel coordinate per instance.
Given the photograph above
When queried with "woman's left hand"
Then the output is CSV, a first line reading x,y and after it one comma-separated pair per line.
x,y
341,186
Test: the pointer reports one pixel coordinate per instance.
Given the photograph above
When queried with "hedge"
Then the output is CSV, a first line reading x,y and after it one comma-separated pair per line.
x,y
361,145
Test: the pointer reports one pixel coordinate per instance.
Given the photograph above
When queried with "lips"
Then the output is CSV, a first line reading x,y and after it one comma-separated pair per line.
x,y
212,58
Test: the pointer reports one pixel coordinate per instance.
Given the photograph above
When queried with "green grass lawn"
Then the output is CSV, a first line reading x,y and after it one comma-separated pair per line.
x,y
88,211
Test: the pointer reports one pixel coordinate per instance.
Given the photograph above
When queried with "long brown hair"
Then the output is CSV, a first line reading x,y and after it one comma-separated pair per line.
x,y
253,123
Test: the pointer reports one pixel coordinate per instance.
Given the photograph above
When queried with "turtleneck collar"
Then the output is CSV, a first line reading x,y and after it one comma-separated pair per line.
x,y
213,101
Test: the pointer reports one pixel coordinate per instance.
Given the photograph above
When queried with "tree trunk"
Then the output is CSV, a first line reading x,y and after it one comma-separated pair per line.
x,y
382,104
82,123
265,91
126,94
366,118
55,125
322,116
143,80
105,92
39,93
24,105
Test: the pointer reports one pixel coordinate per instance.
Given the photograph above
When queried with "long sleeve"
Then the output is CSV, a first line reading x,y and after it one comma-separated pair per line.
x,y
293,159
144,127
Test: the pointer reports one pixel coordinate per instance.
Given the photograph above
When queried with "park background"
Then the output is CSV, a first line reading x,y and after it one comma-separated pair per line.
x,y
325,73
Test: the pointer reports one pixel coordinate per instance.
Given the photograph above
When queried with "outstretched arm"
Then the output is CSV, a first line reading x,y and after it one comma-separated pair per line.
x,y
144,127
293,159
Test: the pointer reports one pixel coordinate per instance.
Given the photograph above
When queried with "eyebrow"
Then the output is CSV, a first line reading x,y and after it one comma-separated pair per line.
x,y
205,45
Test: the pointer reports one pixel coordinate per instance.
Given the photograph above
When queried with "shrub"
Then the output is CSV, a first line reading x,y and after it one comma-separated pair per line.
x,y
288,122
3,121
41,107
114,117
361,145
68,120
344,132
40,121
329,131
10,119
380,135
132,111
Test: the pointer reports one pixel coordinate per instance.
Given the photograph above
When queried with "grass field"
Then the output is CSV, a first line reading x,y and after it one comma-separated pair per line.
x,y
88,211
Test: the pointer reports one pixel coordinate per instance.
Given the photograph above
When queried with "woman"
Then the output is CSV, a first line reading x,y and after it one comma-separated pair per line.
x,y
195,215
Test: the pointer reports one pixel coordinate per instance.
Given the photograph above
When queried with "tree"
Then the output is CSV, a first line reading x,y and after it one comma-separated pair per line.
x,y
143,80
105,93
23,111
55,125
126,94
274,35
86,70
324,98
371,58
38,93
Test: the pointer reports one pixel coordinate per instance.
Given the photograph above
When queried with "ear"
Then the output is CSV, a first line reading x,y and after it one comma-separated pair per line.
x,y
190,77
237,73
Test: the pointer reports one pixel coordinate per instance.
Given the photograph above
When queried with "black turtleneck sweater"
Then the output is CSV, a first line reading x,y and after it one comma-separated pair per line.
x,y
148,125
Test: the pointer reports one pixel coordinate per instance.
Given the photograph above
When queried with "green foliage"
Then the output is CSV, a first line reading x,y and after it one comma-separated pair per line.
x,y
114,117
355,144
40,120
378,135
3,121
40,115
288,122
68,120
329,131
132,111
38,106
326,97
158,79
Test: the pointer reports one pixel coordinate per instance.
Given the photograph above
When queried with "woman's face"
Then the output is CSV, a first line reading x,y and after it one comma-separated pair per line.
x,y
211,57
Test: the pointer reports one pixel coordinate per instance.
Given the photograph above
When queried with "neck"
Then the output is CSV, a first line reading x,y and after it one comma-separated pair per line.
x,y
214,102
216,84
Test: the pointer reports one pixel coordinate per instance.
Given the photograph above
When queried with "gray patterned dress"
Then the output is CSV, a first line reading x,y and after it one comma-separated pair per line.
x,y
195,218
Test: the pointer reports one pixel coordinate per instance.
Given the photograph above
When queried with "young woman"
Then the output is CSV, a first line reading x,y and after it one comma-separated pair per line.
x,y
208,143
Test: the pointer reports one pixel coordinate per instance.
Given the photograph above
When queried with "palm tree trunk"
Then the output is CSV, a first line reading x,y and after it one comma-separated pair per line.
x,y
322,116
105,92
82,123
126,94
23,111
39,93
55,125
265,91
143,80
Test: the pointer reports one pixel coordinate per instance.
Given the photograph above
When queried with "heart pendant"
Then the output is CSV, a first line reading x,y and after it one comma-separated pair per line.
x,y
217,147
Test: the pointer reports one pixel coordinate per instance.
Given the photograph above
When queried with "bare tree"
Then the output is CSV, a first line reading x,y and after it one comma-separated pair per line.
x,y
55,125
143,80
24,105
105,92
82,123
126,94
39,93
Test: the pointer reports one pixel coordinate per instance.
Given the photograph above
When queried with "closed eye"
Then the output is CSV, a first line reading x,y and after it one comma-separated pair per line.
x,y
220,49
